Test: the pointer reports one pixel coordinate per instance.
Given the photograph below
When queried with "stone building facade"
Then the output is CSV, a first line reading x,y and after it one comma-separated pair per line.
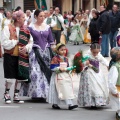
x,y
65,5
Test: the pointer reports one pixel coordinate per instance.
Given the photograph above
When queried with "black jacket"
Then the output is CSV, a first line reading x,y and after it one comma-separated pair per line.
x,y
115,21
93,27
104,24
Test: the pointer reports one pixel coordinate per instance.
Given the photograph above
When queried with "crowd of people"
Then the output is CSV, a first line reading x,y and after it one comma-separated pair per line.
x,y
36,57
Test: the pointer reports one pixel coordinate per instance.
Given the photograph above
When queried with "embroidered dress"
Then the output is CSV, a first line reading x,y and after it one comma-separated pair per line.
x,y
76,34
38,87
93,90
61,87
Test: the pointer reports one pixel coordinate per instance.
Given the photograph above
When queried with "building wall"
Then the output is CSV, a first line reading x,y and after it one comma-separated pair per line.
x,y
1,3
19,3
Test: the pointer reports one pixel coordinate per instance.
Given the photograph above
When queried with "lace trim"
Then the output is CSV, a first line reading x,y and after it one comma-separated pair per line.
x,y
46,28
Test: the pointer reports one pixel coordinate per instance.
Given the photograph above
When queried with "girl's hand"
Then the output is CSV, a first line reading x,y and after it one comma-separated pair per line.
x,y
87,62
62,69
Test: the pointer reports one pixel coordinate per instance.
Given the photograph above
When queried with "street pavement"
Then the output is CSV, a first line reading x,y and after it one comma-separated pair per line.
x,y
39,110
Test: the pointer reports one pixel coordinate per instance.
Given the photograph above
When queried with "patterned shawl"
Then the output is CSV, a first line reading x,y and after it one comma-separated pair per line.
x,y
23,67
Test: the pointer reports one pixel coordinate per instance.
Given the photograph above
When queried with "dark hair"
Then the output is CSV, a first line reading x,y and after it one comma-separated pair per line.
x,y
62,45
18,8
96,13
95,46
36,13
52,7
74,20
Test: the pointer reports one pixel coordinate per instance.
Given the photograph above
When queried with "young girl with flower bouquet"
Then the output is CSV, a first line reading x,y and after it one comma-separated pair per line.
x,y
93,90
61,86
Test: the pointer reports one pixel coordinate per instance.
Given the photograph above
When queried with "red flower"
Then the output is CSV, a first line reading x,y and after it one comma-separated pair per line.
x,y
43,7
78,55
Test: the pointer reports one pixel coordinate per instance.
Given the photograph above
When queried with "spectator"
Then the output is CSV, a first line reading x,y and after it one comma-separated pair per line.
x,y
58,28
70,15
104,25
27,17
94,33
65,15
115,24
18,8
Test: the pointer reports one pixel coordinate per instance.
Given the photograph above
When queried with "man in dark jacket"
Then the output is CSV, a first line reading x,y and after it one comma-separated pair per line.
x,y
115,24
104,26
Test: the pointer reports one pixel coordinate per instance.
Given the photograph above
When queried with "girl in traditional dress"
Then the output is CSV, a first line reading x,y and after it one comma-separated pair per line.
x,y
76,34
114,80
61,86
93,90
40,58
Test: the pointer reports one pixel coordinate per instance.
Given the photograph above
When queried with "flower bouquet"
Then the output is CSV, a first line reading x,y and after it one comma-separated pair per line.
x,y
77,61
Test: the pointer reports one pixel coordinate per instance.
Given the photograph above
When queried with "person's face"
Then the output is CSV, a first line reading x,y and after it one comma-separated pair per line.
x,y
21,19
102,8
41,17
51,11
87,11
57,10
28,13
70,12
8,14
95,52
115,8
94,15
1,11
79,12
46,14
62,51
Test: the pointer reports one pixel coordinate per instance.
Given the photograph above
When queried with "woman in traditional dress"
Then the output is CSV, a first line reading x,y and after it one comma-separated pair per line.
x,y
40,58
61,86
83,25
93,90
76,34
17,43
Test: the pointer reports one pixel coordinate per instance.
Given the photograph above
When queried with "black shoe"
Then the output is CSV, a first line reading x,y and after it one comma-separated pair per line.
x,y
73,107
74,44
56,107
7,98
77,43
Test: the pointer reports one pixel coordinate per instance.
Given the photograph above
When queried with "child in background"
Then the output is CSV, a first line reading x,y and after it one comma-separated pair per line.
x,y
114,80
93,90
61,86
76,34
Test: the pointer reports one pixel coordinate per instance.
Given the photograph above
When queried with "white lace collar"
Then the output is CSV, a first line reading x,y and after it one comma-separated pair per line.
x,y
32,25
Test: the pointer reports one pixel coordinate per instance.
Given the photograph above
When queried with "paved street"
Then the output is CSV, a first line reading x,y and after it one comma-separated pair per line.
x,y
38,110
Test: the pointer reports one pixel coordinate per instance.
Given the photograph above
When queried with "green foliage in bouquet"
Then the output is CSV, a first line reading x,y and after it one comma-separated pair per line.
x,y
77,61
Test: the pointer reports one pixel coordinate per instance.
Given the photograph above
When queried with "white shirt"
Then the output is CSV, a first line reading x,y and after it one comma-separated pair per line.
x,y
53,22
112,77
9,44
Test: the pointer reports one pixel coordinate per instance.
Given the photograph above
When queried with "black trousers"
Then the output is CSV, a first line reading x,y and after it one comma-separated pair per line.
x,y
10,65
95,38
56,35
